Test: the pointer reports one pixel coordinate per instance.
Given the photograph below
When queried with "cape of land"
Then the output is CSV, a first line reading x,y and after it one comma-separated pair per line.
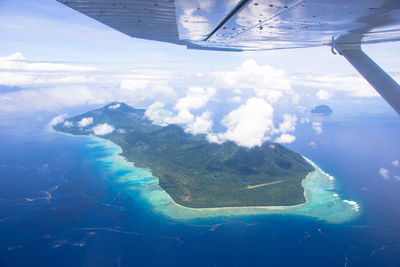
x,y
194,172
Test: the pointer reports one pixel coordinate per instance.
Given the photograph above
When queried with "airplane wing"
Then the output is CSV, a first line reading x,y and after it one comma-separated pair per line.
x,y
243,25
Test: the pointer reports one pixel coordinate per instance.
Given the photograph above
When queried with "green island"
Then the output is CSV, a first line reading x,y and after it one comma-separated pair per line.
x,y
193,171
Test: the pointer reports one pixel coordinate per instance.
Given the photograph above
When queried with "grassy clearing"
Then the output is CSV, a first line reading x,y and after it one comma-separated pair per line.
x,y
261,185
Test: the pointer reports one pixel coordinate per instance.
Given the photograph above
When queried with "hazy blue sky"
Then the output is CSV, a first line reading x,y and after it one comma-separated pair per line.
x,y
48,30
52,58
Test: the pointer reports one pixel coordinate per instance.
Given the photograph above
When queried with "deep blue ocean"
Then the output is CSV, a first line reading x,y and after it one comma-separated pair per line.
x,y
59,207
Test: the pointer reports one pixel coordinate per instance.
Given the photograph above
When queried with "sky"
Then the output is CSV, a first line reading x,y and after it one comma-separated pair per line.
x,y
54,59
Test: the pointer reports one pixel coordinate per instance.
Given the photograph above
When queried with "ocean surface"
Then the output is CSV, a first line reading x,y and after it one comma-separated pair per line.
x,y
70,201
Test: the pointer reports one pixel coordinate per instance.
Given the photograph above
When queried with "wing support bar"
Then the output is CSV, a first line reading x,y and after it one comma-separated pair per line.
x,y
385,85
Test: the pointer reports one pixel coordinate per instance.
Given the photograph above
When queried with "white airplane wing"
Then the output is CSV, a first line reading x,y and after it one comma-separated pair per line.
x,y
240,25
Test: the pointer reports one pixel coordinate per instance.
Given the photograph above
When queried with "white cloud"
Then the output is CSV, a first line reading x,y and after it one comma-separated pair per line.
x,y
302,109
183,117
58,119
201,124
266,82
304,120
384,173
114,106
272,96
15,56
396,163
249,125
312,143
354,85
252,75
238,91
148,89
396,177
196,97
288,124
323,95
121,131
235,99
68,124
54,98
56,85
103,129
85,122
213,138
317,126
41,78
153,112
15,70
285,138
17,62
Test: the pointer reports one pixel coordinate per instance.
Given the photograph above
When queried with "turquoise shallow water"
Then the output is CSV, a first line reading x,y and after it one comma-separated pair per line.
x,y
322,203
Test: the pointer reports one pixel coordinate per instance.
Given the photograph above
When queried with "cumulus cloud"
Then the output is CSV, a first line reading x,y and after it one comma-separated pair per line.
x,y
396,163
68,124
323,95
317,126
384,173
266,82
201,124
115,106
195,98
288,124
58,119
85,122
52,86
249,125
253,123
103,129
285,138
252,75
153,112
148,89
213,138
183,117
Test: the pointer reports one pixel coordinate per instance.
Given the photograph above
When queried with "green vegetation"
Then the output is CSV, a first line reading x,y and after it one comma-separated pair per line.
x,y
199,174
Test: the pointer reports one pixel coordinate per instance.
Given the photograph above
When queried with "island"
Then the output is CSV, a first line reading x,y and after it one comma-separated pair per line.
x,y
322,109
194,172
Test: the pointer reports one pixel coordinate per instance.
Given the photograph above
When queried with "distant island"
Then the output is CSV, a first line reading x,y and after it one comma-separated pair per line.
x,y
194,172
322,109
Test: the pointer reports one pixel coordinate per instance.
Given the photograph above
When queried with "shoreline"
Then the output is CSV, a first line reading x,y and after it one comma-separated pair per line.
x,y
318,192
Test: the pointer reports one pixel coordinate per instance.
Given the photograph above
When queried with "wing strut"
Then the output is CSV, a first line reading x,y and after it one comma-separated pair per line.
x,y
385,85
